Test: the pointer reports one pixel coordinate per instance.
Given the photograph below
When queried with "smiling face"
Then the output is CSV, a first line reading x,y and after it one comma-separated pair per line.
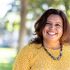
x,y
53,29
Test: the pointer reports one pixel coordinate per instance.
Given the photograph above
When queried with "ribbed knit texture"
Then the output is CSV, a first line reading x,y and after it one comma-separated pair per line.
x,y
34,57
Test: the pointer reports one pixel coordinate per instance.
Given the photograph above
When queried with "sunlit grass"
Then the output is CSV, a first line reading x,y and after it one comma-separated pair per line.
x,y
6,66
7,56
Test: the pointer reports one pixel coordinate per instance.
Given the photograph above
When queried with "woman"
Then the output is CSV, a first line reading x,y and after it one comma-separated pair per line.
x,y
50,49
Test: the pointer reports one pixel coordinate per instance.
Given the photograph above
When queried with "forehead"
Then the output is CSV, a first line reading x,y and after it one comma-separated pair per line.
x,y
54,18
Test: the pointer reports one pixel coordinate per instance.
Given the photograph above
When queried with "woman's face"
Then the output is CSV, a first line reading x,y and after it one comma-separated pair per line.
x,y
53,29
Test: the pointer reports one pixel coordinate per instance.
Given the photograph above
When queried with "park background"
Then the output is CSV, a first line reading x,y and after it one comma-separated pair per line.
x,y
17,19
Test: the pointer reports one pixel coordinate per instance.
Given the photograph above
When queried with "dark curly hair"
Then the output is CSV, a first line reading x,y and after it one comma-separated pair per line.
x,y
41,22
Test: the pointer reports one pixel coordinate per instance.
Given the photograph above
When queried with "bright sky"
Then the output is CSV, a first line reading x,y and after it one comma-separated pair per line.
x,y
4,6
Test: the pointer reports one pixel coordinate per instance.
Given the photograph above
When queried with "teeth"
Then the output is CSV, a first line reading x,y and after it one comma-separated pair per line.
x,y
51,33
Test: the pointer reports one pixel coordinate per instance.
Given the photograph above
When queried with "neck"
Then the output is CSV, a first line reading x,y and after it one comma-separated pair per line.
x,y
52,45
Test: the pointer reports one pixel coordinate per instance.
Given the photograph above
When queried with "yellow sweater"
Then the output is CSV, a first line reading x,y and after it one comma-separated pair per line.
x,y
34,57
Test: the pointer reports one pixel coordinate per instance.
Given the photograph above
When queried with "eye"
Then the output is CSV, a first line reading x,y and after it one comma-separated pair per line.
x,y
48,23
58,25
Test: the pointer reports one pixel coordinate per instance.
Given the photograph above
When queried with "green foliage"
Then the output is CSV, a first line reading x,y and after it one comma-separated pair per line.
x,y
16,25
8,26
36,5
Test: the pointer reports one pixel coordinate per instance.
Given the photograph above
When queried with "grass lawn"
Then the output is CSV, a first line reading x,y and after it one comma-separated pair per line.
x,y
7,56
6,66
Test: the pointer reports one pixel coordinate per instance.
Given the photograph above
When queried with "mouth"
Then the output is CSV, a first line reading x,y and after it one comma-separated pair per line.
x,y
51,33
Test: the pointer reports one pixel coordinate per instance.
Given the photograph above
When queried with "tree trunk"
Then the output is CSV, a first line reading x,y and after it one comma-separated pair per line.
x,y
22,30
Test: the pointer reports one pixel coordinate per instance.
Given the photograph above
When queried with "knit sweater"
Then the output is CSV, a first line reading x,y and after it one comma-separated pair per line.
x,y
34,57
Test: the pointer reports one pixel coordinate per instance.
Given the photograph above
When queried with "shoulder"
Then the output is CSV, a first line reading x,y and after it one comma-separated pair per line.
x,y
30,49
66,48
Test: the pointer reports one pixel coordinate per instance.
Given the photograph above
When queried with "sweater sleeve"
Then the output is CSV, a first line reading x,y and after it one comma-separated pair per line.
x,y
23,59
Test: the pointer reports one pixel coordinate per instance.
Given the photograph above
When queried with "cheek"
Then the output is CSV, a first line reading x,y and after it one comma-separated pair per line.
x,y
44,32
45,29
61,31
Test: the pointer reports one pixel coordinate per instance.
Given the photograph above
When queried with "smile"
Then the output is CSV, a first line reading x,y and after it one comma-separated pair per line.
x,y
51,33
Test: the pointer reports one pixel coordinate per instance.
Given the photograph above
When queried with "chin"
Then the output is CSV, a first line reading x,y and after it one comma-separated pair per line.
x,y
53,39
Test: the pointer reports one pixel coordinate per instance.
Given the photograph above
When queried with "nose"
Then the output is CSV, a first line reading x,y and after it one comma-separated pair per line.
x,y
52,27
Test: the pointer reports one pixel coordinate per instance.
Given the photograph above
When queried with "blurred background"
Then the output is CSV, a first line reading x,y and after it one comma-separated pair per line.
x,y
17,18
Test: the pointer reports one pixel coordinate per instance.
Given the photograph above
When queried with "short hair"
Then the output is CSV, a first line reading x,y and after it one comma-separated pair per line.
x,y
41,22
